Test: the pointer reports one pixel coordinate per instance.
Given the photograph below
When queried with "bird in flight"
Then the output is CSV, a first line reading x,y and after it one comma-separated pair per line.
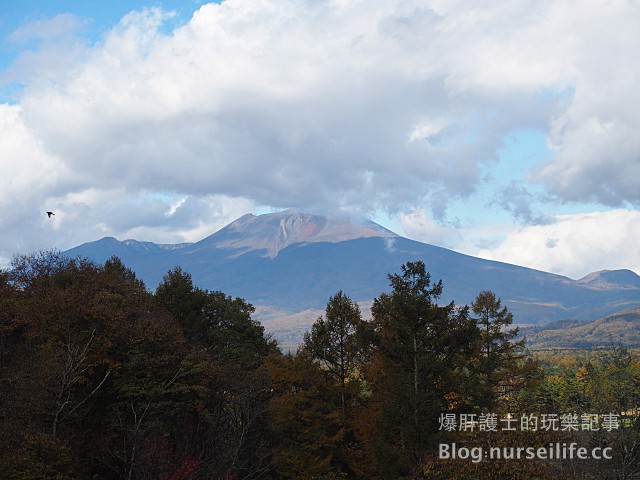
x,y
50,214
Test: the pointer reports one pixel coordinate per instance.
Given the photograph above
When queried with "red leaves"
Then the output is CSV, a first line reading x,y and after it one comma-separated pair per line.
x,y
184,471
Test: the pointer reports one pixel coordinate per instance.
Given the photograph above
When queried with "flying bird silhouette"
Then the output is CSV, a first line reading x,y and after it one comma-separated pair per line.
x,y
50,214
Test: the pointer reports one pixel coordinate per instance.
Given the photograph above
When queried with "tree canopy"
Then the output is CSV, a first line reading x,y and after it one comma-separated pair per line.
x,y
102,378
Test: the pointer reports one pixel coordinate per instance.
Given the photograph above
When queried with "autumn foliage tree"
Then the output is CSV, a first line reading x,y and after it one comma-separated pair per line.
x,y
101,378
70,313
229,350
107,380
304,419
419,351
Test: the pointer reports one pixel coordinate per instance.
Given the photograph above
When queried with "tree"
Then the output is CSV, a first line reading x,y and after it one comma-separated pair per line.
x,y
334,343
65,318
499,354
420,350
304,418
229,349
177,294
10,330
110,381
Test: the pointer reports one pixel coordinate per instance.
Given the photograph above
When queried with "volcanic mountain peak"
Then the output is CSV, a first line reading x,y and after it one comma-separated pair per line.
x,y
250,258
275,231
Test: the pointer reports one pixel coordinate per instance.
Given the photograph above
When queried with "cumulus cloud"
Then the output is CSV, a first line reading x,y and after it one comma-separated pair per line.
x,y
27,176
574,245
33,181
286,103
370,106
595,138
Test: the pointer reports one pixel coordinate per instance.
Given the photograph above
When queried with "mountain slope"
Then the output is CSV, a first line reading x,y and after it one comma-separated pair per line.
x,y
618,328
611,279
293,262
275,232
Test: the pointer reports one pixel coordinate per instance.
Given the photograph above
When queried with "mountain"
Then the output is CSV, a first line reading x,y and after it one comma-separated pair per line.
x,y
289,262
275,232
607,279
622,328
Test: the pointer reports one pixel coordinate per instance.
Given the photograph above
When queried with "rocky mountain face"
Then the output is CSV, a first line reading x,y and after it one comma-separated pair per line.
x,y
272,233
290,262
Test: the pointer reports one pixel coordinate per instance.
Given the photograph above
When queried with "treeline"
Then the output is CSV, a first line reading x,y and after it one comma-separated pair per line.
x,y
99,378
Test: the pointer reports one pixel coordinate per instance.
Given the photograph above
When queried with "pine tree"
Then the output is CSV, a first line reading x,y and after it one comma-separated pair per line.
x,y
420,349
499,354
334,343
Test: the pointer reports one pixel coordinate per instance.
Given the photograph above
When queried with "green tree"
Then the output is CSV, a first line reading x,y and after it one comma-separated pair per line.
x,y
499,354
184,301
333,341
418,357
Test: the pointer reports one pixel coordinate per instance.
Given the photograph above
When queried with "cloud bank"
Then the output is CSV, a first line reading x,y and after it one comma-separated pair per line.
x,y
396,106
575,245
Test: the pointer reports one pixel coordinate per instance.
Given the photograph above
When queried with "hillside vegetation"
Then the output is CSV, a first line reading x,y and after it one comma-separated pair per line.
x,y
101,379
621,328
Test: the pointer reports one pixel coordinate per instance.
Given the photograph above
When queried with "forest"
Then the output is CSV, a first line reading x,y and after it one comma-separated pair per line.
x,y
101,378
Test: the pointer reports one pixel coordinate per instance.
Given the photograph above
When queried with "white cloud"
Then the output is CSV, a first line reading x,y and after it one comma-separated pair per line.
x,y
63,25
33,181
368,106
574,245
24,160
418,224
94,213
595,138
28,174
426,130
320,99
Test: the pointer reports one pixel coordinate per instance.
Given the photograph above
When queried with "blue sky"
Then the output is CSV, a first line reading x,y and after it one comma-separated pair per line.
x,y
101,16
480,128
93,19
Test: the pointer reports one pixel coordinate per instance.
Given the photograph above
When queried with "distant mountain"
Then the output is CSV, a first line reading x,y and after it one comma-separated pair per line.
x,y
292,261
273,233
622,328
607,279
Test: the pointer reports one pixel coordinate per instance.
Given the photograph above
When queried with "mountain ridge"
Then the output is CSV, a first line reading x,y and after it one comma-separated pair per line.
x,y
294,261
620,328
607,278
